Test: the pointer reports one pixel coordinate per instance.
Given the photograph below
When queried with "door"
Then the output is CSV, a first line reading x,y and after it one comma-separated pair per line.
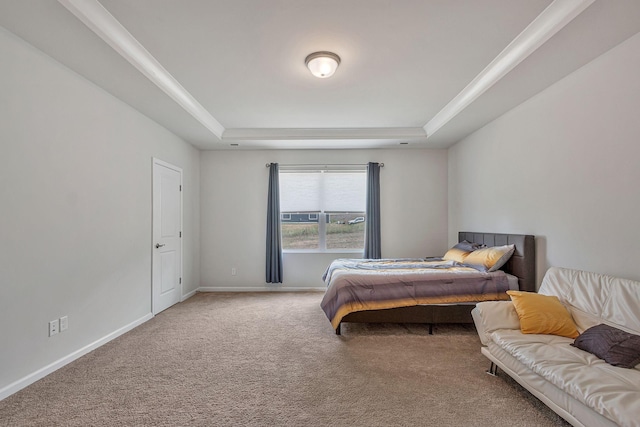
x,y
167,236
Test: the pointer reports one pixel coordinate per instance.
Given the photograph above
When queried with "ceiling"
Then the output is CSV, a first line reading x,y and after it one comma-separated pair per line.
x,y
241,63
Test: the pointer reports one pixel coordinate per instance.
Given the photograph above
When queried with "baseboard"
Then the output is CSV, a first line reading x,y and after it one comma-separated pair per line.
x,y
189,295
43,372
256,289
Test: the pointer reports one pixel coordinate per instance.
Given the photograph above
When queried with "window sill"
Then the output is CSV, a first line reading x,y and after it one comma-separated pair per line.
x,y
326,251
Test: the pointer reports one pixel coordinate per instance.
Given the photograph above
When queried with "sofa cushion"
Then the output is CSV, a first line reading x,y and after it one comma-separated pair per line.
x,y
602,299
611,391
614,346
560,402
489,316
542,314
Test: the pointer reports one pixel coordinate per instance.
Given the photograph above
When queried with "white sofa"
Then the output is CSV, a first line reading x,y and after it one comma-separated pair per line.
x,y
584,390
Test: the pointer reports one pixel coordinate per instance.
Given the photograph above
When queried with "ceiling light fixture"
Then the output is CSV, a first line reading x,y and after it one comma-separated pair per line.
x,y
322,64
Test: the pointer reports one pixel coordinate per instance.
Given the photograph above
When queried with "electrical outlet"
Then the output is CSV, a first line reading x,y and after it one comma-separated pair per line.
x,y
54,327
64,323
233,271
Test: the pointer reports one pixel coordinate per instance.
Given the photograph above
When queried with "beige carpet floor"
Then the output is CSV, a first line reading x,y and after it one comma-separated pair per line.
x,y
270,359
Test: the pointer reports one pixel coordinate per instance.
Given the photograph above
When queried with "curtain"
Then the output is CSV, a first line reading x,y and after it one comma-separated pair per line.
x,y
372,244
274,239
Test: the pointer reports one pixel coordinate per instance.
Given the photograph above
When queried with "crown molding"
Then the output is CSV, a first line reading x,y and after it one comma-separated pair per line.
x,y
109,29
238,134
555,17
98,19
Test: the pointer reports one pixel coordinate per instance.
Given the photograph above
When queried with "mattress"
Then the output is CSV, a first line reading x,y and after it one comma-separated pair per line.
x,y
360,285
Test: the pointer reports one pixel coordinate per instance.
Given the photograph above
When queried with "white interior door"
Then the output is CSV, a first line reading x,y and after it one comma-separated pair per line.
x,y
167,236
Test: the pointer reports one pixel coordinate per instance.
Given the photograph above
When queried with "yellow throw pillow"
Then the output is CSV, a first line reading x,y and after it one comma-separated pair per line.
x,y
455,254
460,251
490,259
542,314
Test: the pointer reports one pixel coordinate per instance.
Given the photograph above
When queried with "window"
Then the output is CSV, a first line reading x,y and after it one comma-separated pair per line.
x,y
323,209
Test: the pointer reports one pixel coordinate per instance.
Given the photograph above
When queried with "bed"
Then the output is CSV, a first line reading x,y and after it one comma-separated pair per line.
x,y
423,290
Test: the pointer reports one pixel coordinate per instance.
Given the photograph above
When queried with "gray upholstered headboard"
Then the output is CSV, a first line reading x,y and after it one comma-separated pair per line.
x,y
523,262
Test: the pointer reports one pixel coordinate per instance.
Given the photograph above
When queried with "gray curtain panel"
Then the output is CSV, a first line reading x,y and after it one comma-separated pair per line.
x,y
274,239
372,244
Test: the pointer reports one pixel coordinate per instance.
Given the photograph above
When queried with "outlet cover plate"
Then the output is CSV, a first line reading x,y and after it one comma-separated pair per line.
x,y
64,323
54,327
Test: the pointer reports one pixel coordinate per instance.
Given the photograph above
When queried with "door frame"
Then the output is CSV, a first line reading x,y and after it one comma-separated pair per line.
x,y
157,162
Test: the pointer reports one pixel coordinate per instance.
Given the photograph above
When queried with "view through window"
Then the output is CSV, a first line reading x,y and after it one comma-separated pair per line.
x,y
323,209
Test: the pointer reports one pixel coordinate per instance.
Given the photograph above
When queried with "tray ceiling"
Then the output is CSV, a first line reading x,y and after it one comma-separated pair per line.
x,y
239,70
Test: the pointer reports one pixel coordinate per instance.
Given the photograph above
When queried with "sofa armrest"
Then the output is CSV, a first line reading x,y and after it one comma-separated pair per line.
x,y
490,316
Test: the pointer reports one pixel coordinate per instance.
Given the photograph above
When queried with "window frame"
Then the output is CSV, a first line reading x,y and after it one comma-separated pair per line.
x,y
321,216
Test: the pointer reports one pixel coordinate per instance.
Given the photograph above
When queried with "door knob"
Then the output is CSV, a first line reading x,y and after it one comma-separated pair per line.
x,y
158,245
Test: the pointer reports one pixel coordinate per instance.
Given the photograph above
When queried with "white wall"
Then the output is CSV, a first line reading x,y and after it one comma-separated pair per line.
x,y
234,204
565,166
75,202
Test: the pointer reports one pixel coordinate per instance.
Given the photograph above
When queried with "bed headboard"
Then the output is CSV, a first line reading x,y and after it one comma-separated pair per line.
x,y
522,263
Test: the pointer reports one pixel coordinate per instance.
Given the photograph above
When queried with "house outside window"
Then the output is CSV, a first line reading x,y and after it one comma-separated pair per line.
x,y
323,209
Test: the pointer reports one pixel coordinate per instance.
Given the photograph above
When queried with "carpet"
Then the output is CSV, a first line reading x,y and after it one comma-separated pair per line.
x,y
272,359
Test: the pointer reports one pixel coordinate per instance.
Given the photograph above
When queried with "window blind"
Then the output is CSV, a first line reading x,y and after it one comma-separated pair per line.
x,y
323,191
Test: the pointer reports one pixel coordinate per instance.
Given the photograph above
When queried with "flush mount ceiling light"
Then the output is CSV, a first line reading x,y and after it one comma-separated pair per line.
x,y
322,64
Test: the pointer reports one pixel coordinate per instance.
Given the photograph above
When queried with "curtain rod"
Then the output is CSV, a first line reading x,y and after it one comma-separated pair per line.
x,y
324,164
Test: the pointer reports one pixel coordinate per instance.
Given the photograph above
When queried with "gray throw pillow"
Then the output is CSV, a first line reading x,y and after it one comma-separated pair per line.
x,y
614,346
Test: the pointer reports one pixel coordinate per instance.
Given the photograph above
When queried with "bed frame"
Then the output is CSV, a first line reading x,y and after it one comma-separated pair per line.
x,y
522,265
